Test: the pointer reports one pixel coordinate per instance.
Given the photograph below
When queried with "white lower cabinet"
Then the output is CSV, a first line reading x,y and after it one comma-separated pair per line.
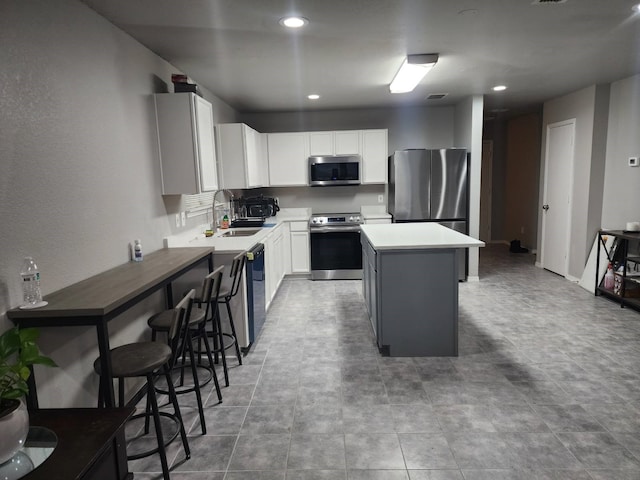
x,y
299,247
275,262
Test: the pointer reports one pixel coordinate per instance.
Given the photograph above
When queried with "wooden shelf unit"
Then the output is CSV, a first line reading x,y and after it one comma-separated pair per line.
x,y
618,254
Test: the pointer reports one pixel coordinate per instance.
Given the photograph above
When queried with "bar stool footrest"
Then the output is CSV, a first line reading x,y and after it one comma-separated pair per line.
x,y
146,453
180,389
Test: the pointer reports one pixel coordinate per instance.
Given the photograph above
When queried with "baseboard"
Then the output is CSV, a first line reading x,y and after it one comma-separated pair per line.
x,y
573,279
538,264
473,278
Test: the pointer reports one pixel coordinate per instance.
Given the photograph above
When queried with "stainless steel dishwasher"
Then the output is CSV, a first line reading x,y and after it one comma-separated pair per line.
x,y
255,292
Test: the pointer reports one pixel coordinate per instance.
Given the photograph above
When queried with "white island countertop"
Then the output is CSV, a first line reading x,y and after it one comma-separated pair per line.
x,y
423,235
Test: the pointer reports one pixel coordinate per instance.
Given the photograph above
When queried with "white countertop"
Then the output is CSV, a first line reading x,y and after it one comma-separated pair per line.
x,y
425,235
196,238
374,212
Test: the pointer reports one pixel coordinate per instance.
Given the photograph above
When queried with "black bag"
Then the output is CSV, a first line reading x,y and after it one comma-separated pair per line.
x,y
517,248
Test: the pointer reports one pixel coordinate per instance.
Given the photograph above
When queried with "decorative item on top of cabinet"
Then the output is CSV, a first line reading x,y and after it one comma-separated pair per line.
x,y
186,144
241,156
288,154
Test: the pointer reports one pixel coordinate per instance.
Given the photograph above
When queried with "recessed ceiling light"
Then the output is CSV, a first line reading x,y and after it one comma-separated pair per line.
x,y
499,88
313,96
293,22
636,8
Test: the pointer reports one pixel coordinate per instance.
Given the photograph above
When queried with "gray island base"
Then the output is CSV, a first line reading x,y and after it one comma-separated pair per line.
x,y
410,285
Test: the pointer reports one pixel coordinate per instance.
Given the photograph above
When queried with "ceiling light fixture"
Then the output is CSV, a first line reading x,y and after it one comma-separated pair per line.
x,y
499,88
293,22
412,70
313,96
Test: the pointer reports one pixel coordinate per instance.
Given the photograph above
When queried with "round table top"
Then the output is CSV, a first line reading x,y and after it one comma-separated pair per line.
x,y
40,444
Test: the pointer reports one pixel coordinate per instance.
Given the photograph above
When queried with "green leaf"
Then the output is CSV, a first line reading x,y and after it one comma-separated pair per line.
x,y
9,343
24,373
42,360
29,335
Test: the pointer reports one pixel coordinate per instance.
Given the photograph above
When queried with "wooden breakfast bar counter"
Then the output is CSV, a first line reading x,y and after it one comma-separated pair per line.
x,y
98,299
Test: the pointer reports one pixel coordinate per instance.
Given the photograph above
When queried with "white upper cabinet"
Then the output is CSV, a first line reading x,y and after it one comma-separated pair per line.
x,y
344,142
186,144
320,143
240,156
288,158
347,142
374,156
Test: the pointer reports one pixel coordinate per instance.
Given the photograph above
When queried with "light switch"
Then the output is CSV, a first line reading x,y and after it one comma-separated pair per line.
x,y
633,161
183,218
177,220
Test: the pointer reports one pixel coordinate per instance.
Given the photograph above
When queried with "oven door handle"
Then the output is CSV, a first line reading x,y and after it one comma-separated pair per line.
x,y
355,228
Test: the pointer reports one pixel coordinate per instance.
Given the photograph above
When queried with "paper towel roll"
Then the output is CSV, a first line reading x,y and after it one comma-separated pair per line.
x,y
633,227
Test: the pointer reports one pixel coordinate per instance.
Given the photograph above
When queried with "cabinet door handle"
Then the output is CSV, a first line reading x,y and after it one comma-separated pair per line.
x,y
545,207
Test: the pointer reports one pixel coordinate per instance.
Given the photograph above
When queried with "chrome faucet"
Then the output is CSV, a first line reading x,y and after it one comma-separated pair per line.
x,y
231,213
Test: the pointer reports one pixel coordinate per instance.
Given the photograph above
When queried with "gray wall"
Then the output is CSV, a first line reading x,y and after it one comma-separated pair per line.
x,y
621,198
78,168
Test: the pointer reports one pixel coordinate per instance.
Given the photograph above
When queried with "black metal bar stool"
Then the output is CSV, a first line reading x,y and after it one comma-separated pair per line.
x,y
225,296
195,329
146,359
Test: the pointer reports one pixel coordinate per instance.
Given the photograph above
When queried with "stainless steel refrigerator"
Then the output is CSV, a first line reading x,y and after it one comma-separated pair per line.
x,y
431,186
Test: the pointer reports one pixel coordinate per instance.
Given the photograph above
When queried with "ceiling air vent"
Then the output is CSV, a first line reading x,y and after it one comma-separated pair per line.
x,y
436,96
547,2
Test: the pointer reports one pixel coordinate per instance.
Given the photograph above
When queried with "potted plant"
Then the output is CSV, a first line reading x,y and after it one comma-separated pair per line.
x,y
18,351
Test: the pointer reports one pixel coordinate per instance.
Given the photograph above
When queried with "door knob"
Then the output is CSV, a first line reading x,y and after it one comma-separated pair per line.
x,y
545,207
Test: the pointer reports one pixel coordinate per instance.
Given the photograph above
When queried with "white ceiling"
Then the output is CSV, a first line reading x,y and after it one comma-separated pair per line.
x,y
351,49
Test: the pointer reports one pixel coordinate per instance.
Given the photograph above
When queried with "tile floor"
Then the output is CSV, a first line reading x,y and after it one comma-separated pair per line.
x,y
546,386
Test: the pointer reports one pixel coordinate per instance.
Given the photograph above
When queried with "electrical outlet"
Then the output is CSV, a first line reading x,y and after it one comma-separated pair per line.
x,y
380,198
178,220
183,218
633,161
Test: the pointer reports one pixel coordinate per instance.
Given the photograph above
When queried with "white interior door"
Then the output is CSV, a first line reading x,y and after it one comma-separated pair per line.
x,y
556,205
485,190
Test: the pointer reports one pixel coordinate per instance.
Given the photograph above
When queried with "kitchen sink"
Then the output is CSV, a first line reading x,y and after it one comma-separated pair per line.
x,y
245,232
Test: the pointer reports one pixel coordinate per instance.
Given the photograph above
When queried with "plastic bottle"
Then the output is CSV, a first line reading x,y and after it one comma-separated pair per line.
x,y
30,282
609,279
225,222
137,251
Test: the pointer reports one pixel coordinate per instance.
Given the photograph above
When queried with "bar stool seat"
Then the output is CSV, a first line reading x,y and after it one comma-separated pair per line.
x,y
136,359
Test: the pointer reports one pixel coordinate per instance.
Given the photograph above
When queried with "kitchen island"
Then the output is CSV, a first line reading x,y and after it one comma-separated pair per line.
x,y
410,286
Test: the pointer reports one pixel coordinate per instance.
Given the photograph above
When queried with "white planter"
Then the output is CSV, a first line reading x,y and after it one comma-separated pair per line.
x,y
14,427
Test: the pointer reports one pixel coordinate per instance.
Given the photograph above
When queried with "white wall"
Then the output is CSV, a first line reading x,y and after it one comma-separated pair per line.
x,y
79,175
468,134
621,199
586,107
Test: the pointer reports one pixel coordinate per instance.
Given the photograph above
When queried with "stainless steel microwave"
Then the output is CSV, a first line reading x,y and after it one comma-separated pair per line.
x,y
331,170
